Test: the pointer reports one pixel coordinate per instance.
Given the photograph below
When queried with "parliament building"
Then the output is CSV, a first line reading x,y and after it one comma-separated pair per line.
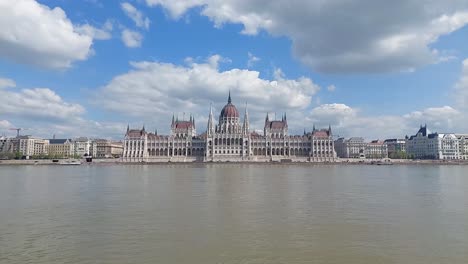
x,y
228,140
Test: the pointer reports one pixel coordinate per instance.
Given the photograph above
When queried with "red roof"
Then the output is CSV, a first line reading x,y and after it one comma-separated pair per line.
x,y
183,124
277,124
135,133
320,134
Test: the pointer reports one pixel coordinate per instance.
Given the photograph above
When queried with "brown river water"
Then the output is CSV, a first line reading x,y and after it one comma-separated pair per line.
x,y
234,213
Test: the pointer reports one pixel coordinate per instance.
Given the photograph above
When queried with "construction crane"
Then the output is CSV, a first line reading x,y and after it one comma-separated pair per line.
x,y
18,130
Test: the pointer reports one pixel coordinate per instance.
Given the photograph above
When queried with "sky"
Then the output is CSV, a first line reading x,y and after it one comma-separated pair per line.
x,y
371,68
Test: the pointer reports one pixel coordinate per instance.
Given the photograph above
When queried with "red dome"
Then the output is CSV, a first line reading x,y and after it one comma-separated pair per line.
x,y
229,110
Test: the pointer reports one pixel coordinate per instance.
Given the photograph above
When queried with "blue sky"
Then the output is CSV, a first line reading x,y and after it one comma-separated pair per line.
x,y
88,68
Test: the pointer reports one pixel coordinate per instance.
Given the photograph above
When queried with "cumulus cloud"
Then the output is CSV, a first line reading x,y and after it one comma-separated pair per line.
x,y
38,103
152,91
7,83
134,14
131,39
442,117
33,33
43,113
343,36
348,121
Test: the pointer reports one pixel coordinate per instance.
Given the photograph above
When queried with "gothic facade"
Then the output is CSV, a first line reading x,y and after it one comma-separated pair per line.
x,y
229,140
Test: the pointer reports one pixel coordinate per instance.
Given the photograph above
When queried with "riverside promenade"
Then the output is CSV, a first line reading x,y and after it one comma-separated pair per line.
x,y
337,162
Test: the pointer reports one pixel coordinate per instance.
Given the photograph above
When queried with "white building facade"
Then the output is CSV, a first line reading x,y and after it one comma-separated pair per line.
x,y
82,147
427,145
230,139
376,149
103,149
353,148
463,146
29,146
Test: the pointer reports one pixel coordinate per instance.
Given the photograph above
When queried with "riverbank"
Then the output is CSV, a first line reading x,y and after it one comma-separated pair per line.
x,y
337,162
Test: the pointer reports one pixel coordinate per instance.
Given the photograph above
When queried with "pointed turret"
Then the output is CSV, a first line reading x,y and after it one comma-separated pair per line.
x,y
245,126
143,129
329,130
128,127
210,126
156,132
313,128
173,120
285,119
229,98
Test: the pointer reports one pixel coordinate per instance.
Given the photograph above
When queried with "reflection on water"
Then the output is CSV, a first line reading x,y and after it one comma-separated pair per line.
x,y
234,214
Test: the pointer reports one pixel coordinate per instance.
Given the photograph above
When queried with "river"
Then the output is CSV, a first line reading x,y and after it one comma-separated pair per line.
x,y
234,213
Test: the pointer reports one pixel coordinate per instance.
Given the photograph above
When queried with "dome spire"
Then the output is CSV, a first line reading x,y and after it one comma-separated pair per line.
x,y
229,98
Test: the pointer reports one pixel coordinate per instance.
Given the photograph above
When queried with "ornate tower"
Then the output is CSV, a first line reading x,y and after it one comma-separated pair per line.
x,y
245,126
210,127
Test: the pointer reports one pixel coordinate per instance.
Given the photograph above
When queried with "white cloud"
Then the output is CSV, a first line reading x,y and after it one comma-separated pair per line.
x,y
135,15
176,8
252,60
42,112
33,33
7,83
38,103
131,39
462,87
152,91
5,124
103,33
443,117
87,128
340,35
331,88
348,121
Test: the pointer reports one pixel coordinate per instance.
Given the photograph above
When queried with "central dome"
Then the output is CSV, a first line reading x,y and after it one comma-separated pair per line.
x,y
229,110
